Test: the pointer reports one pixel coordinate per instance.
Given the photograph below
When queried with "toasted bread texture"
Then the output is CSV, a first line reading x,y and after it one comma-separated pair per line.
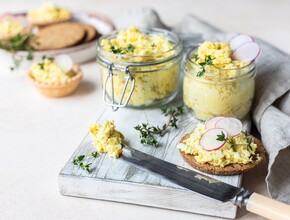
x,y
231,169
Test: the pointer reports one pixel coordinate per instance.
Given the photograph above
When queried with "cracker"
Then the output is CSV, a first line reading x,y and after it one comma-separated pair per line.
x,y
58,36
231,169
91,32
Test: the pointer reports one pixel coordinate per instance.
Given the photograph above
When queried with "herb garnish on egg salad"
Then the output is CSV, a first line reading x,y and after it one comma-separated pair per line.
x,y
217,55
222,148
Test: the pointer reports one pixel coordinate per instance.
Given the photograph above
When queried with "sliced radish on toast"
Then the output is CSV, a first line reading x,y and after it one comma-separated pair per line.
x,y
239,40
246,52
209,140
233,126
64,61
211,122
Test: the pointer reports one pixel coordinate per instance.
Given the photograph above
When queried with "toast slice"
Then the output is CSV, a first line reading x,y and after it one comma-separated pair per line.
x,y
231,169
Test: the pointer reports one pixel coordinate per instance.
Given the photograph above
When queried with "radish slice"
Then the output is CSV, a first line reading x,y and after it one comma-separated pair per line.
x,y
209,140
239,40
64,61
211,122
246,52
233,126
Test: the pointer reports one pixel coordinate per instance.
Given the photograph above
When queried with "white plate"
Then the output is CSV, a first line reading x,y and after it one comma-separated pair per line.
x,y
79,53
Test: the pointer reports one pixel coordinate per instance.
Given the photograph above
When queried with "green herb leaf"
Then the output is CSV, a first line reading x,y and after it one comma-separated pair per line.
x,y
207,62
221,137
18,43
148,133
95,154
130,48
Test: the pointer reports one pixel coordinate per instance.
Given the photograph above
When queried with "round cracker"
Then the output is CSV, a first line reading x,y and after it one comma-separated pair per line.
x,y
231,169
58,36
91,32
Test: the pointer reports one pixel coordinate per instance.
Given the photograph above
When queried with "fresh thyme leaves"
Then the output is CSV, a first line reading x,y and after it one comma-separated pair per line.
x,y
41,64
116,50
18,43
122,50
222,137
249,141
78,161
95,154
207,62
130,48
148,133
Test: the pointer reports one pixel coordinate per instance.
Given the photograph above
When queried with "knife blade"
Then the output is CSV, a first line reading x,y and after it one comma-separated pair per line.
x,y
206,185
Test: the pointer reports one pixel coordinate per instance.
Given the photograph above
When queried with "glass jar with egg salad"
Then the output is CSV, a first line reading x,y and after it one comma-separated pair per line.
x,y
139,68
216,85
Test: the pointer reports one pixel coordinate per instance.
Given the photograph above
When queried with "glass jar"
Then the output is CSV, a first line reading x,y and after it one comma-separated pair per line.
x,y
219,92
140,81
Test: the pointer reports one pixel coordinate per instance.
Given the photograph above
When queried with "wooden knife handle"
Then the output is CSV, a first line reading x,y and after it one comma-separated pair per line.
x,y
268,208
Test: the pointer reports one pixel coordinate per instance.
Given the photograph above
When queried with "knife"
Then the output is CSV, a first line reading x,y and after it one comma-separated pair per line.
x,y
207,186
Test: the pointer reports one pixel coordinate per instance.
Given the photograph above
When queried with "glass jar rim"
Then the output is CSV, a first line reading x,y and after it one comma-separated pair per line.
x,y
177,47
250,64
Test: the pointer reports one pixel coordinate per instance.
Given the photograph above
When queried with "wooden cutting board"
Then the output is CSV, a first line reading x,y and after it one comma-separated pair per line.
x,y
115,180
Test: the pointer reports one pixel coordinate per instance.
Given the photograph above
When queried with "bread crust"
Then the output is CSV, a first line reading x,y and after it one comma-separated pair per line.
x,y
231,169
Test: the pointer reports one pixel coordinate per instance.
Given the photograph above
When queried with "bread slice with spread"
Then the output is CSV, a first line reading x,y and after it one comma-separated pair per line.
x,y
221,148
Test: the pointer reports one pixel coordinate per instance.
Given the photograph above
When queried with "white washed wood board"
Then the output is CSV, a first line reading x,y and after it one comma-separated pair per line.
x,y
116,180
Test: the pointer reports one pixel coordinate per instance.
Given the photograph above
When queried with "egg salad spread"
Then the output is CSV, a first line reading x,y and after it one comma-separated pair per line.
x,y
134,42
242,152
9,28
107,139
137,49
49,12
47,70
216,85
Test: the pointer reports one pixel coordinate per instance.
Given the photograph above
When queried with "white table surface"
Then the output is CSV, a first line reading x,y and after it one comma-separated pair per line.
x,y
38,134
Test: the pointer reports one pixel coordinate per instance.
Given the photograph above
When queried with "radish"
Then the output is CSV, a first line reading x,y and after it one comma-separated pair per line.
x,y
64,61
239,40
233,126
209,140
211,122
246,52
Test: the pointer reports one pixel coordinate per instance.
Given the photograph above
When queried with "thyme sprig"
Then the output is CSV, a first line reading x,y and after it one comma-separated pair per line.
x,y
148,134
222,137
122,50
207,62
78,161
18,43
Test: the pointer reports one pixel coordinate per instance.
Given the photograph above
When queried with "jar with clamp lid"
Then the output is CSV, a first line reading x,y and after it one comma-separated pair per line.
x,y
139,68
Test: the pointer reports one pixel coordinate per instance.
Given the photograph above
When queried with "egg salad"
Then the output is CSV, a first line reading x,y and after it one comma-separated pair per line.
x,y
47,70
241,152
135,43
153,82
48,13
107,139
221,53
9,28
215,84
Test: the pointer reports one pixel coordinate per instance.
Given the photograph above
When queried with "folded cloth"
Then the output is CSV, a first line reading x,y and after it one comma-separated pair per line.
x,y
271,107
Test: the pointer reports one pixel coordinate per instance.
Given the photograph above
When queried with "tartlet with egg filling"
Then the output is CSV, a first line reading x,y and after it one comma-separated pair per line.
x,y
55,76
47,14
220,147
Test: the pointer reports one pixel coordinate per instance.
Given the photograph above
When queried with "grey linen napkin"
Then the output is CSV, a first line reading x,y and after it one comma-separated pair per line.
x,y
271,107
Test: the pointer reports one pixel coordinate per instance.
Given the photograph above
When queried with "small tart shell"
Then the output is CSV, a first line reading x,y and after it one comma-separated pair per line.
x,y
231,169
58,89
